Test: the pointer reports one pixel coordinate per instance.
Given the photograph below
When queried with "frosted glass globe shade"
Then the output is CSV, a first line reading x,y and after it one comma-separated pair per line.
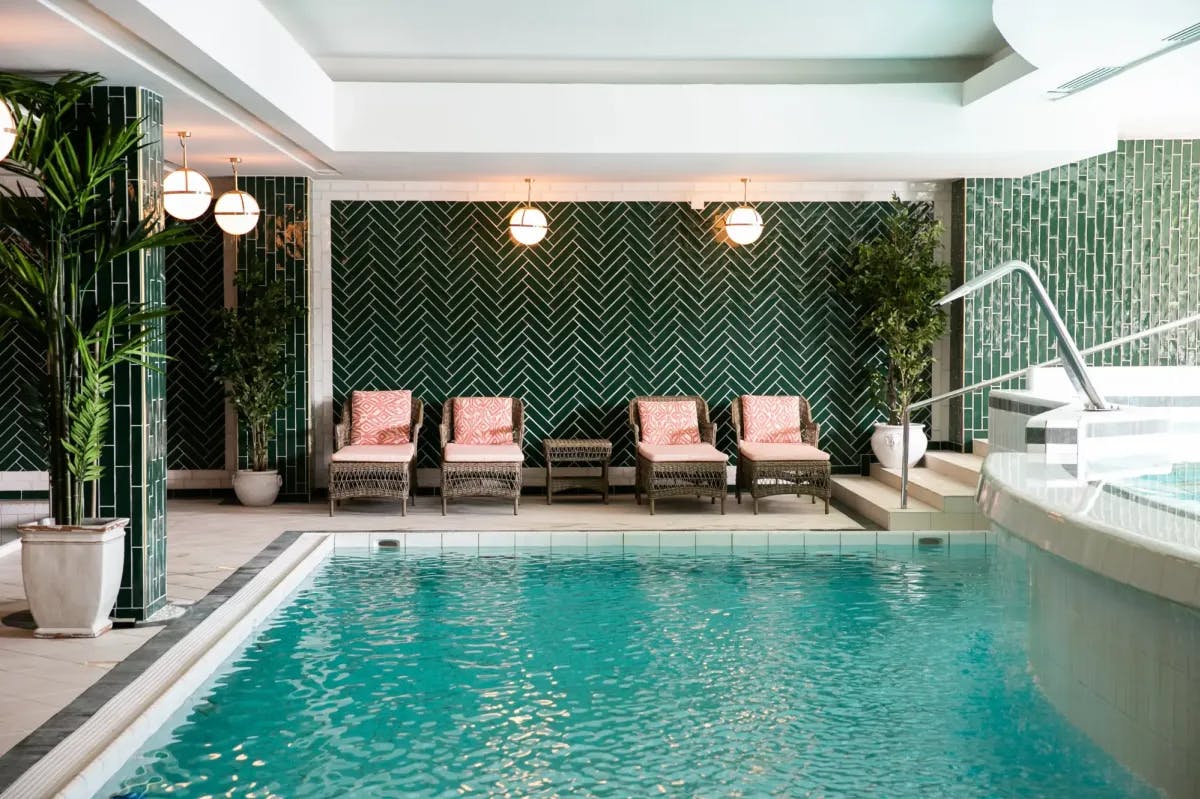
x,y
186,194
528,225
743,225
236,212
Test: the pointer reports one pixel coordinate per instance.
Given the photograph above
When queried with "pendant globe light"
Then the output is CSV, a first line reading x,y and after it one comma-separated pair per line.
x,y
528,225
236,211
8,129
743,225
186,192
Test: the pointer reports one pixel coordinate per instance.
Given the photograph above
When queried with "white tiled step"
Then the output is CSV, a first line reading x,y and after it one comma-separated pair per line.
x,y
961,466
937,490
881,503
980,447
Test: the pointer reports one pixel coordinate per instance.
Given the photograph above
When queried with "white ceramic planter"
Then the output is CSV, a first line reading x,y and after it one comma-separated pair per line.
x,y
256,489
887,442
72,575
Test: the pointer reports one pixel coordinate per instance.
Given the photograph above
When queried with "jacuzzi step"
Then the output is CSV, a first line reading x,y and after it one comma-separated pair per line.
x,y
933,488
961,466
980,447
881,503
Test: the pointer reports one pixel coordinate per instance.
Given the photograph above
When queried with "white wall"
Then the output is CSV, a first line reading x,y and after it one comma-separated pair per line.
x,y
326,191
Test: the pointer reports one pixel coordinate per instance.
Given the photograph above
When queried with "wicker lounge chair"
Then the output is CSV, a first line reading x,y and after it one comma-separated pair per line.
x,y
684,465
383,471
475,466
779,455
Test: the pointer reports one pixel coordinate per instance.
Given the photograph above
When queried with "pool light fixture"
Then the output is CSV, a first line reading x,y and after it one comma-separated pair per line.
x,y
186,192
528,225
8,129
743,225
236,211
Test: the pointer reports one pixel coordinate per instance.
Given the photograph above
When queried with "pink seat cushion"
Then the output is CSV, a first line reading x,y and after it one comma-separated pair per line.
x,y
772,420
483,453
375,453
380,417
682,453
669,421
760,451
483,420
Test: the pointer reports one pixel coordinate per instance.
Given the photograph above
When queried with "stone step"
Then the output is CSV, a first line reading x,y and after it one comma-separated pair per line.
x,y
880,503
933,488
961,466
980,447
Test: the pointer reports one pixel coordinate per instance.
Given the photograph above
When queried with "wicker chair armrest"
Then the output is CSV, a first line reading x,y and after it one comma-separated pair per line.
x,y
811,433
637,434
519,424
708,433
444,434
341,431
418,419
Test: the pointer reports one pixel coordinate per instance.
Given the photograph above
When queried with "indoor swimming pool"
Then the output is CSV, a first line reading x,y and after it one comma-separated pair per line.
x,y
838,672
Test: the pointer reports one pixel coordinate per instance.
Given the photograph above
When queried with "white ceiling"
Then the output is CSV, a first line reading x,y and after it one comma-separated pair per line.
x,y
640,29
629,89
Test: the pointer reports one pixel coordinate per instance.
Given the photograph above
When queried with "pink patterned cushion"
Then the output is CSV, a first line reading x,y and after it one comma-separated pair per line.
x,y
771,420
483,420
669,421
483,453
682,453
375,453
757,451
380,417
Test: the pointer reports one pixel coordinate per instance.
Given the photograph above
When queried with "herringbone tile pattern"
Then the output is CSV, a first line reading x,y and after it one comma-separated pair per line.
x,y
20,412
620,299
195,286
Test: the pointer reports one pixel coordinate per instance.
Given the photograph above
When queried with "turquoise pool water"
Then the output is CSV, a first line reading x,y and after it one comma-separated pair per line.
x,y
1179,489
792,673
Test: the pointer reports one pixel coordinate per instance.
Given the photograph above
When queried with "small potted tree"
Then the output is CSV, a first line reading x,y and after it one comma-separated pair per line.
x,y
896,277
59,228
249,356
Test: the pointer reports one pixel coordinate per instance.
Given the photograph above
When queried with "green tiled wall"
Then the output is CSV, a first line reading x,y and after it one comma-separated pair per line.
x,y
1116,239
135,480
280,240
195,401
20,375
619,299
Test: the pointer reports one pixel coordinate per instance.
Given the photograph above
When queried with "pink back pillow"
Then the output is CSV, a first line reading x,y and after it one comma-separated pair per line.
x,y
380,417
669,421
483,420
771,420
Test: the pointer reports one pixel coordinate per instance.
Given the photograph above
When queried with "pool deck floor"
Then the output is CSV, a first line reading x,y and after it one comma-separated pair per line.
x,y
209,539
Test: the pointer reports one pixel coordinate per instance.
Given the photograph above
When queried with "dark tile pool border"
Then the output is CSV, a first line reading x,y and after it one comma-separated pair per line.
x,y
38,743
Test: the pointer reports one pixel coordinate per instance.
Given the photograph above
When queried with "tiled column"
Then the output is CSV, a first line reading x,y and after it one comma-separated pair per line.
x,y
135,478
277,249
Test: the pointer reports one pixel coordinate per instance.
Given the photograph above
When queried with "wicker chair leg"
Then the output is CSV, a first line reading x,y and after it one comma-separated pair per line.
x,y
651,498
332,505
443,500
722,504
404,507
756,506
516,502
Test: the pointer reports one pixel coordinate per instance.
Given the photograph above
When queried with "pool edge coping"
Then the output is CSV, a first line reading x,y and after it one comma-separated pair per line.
x,y
84,744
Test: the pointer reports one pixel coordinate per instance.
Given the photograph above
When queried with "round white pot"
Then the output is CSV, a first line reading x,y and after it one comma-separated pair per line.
x,y
256,489
72,575
887,442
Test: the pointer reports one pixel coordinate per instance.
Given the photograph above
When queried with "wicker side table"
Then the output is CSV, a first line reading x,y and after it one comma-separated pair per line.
x,y
577,452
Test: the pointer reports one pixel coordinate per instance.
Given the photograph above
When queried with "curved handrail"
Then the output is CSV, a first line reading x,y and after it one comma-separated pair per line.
x,y
1068,351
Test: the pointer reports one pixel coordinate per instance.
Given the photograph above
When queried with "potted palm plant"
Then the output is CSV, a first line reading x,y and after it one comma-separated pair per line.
x,y
249,356
896,277
58,230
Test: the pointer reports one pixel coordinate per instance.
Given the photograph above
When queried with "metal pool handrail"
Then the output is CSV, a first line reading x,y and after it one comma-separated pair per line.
x,y
1070,354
